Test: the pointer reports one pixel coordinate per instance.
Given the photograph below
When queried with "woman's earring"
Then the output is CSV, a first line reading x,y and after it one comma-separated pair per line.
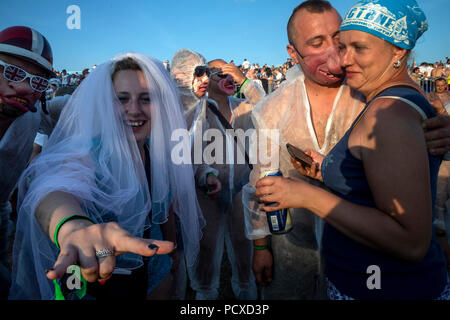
x,y
397,64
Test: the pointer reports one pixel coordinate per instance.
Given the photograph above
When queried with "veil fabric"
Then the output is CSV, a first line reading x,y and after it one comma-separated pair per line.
x,y
92,154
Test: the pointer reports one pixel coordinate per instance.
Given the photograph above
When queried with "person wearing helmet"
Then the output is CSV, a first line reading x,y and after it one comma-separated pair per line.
x,y
26,62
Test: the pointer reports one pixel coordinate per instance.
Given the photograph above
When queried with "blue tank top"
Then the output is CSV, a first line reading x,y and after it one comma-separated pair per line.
x,y
347,261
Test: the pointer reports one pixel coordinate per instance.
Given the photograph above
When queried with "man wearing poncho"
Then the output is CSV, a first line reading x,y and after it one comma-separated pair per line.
x,y
223,213
311,110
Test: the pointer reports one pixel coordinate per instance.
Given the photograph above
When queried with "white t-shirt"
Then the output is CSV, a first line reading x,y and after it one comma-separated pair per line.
x,y
423,70
65,80
74,81
246,64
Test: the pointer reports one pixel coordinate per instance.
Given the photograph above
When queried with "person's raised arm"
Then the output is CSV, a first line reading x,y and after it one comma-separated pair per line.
x,y
79,238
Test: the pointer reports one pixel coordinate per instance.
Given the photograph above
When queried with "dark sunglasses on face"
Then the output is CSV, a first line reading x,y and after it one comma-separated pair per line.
x,y
201,70
16,74
218,72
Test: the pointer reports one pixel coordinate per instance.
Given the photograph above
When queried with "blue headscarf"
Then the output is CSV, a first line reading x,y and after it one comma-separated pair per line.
x,y
400,22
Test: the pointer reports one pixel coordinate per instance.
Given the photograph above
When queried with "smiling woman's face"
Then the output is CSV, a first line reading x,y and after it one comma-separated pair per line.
x,y
133,93
367,60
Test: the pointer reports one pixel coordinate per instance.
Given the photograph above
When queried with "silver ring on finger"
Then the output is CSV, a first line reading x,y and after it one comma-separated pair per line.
x,y
105,252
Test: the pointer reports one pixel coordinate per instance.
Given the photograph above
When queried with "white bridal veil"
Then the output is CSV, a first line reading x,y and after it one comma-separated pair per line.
x,y
93,155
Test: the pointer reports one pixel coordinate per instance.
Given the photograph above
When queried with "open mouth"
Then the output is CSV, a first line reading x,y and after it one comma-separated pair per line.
x,y
20,103
136,124
229,85
20,100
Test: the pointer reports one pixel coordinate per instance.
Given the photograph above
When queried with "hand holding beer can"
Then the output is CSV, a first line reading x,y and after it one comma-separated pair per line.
x,y
279,221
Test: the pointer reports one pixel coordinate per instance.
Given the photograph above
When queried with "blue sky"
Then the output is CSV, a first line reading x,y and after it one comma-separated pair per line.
x,y
227,29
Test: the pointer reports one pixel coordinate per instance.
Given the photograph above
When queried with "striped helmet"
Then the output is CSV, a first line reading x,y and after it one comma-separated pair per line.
x,y
29,44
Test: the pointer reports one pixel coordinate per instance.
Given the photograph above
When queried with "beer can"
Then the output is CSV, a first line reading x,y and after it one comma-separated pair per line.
x,y
280,220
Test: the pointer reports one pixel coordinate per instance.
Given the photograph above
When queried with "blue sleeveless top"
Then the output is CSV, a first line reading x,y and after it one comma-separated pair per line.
x,y
347,261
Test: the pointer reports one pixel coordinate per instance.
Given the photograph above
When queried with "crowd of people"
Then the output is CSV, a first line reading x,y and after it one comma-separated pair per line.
x,y
103,210
427,70
270,77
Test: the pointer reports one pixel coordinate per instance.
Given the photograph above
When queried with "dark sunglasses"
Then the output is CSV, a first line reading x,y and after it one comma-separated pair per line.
x,y
16,74
201,70
218,72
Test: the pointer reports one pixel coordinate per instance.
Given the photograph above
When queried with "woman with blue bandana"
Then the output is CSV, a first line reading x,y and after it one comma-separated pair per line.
x,y
379,240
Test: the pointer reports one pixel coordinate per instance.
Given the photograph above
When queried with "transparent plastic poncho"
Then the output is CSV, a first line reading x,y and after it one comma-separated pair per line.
x,y
287,111
183,64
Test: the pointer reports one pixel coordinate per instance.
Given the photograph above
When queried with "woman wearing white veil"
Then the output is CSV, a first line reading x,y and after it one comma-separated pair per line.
x,y
87,193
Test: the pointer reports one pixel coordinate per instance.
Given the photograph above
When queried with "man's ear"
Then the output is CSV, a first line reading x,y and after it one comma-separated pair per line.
x,y
292,53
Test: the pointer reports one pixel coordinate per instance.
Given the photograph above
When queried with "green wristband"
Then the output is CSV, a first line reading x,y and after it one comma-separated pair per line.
x,y
243,84
60,224
242,87
264,247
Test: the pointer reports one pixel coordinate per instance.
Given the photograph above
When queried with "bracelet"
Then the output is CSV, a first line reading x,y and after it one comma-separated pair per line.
x,y
242,87
264,247
60,224
243,84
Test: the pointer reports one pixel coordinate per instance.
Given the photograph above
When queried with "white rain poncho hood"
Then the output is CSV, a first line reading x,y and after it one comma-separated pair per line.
x,y
92,155
183,64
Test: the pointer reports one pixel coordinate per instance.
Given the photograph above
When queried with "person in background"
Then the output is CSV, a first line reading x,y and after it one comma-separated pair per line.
x,y
84,74
65,78
416,75
223,213
438,71
246,64
191,74
166,65
440,98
